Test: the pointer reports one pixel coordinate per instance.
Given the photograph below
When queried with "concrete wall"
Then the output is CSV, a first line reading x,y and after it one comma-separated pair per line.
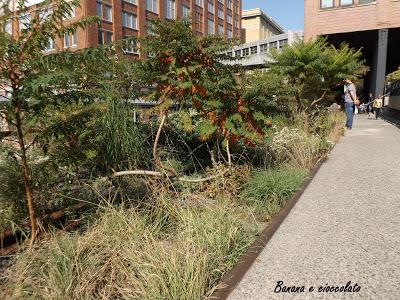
x,y
394,102
358,17
257,26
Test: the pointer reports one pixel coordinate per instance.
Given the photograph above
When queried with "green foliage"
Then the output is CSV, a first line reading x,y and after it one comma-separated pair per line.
x,y
188,71
266,190
394,75
312,68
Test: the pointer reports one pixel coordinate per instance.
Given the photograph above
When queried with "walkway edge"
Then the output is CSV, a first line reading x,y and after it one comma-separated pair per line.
x,y
231,279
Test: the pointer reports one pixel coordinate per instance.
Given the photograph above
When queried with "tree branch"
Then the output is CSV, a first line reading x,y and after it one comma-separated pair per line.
x,y
319,99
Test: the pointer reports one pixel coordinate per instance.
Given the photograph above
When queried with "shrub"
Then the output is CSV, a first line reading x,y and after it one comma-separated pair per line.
x,y
266,190
298,148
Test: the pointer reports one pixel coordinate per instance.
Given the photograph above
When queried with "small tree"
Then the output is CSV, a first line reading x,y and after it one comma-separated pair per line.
x,y
394,75
312,68
20,57
187,71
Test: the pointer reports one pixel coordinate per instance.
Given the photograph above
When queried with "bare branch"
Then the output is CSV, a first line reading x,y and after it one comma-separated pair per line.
x,y
319,99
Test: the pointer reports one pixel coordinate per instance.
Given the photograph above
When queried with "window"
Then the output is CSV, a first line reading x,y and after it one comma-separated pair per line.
x,y
264,48
170,9
229,4
24,21
326,3
74,39
131,1
199,3
100,40
8,27
229,33
220,13
229,19
211,7
238,53
185,12
199,22
221,1
108,37
245,52
130,46
253,50
211,26
282,43
274,45
129,20
346,2
220,29
71,14
50,45
66,40
152,5
44,14
107,13
99,10
366,1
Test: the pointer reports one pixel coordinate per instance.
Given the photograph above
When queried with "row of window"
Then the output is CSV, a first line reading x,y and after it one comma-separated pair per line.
x,y
24,20
264,48
330,3
104,11
69,40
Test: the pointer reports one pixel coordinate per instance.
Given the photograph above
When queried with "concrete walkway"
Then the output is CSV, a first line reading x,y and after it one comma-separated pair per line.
x,y
341,229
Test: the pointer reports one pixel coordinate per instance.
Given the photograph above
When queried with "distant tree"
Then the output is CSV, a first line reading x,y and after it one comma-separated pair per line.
x,y
394,75
312,68
21,61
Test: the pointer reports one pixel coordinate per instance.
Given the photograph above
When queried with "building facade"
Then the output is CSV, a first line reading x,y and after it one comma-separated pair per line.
x,y
373,25
124,18
256,25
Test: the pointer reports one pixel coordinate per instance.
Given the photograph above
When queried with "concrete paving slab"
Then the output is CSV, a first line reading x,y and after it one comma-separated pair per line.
x,y
345,227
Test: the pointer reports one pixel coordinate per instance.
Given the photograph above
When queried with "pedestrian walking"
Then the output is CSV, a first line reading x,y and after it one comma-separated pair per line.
x,y
350,99
377,104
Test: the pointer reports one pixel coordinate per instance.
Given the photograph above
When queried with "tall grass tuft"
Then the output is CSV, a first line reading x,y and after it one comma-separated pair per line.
x,y
267,190
128,255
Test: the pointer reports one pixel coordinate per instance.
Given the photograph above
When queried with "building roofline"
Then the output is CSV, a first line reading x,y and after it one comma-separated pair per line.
x,y
258,12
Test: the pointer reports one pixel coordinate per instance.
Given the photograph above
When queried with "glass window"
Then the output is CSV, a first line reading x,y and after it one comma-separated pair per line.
x,y
366,1
246,52
346,2
229,19
253,50
66,40
8,27
220,29
130,46
131,1
129,20
220,13
44,14
107,13
24,21
229,4
264,48
50,45
211,7
229,33
152,5
185,12
274,45
326,3
170,9
238,53
99,10
282,43
108,37
74,39
211,26
199,3
100,37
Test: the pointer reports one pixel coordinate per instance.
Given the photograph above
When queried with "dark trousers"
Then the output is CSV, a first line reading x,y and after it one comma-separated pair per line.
x,y
377,112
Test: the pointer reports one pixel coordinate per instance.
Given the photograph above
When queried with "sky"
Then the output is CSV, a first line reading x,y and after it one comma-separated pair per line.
x,y
287,13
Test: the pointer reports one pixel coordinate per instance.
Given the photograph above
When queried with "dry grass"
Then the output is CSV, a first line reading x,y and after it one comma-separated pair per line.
x,y
171,253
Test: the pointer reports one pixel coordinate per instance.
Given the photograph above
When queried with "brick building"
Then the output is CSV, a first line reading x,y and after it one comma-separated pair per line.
x,y
373,25
123,18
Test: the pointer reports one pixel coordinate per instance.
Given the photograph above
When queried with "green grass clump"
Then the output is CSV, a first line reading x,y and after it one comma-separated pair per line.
x,y
129,255
267,190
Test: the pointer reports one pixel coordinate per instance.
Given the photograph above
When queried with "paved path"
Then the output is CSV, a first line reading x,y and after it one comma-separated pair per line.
x,y
340,230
